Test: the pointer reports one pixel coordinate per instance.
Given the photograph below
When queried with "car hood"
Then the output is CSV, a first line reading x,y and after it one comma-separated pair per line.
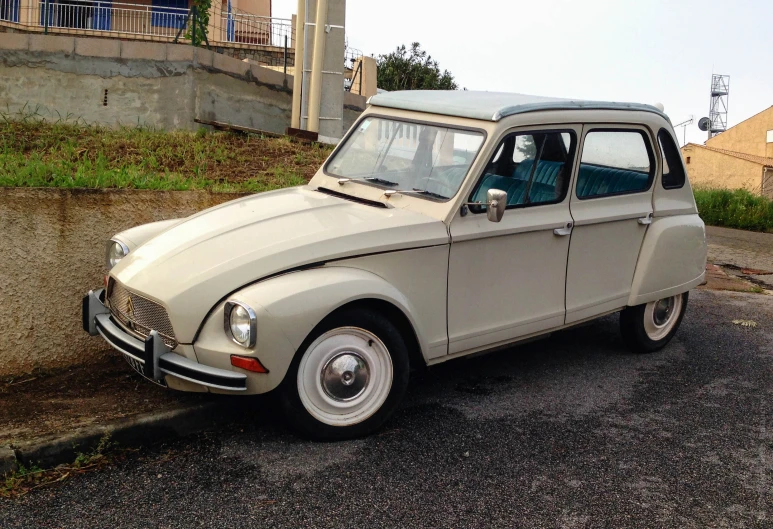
x,y
194,264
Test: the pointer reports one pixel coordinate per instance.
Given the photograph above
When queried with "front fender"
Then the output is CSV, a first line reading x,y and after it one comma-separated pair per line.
x,y
138,235
288,307
672,259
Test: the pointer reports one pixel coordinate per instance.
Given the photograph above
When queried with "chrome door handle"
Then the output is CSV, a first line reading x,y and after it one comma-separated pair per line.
x,y
645,220
562,232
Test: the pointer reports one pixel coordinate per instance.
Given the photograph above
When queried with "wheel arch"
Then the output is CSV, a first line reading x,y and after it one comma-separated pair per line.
x,y
290,309
395,315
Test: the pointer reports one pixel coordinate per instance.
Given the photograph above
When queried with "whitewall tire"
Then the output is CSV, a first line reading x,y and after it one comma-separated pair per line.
x,y
649,327
347,378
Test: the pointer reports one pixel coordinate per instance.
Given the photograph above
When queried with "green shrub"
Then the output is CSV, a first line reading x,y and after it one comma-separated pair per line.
x,y
734,209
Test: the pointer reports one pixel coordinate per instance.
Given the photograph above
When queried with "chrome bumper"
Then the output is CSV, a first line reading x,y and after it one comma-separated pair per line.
x,y
152,358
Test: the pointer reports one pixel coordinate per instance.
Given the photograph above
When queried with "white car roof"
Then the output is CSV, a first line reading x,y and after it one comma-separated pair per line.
x,y
491,106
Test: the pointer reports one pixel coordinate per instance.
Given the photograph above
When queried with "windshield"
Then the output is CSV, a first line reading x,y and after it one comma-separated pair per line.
x,y
426,160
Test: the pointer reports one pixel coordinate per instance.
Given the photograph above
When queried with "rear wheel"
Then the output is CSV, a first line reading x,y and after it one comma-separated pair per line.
x,y
347,378
649,327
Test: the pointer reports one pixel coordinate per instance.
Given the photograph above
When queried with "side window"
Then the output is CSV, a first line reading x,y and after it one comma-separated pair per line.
x,y
614,162
533,168
673,171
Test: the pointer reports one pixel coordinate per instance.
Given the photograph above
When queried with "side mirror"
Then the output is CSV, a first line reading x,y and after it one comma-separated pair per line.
x,y
497,203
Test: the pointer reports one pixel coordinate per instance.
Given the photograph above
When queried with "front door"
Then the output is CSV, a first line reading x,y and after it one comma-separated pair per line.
x,y
612,206
506,280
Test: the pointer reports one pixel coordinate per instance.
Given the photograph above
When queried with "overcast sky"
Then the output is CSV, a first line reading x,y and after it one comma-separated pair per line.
x,y
645,51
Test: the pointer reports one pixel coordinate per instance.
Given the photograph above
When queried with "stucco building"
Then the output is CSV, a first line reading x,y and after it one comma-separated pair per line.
x,y
231,22
739,158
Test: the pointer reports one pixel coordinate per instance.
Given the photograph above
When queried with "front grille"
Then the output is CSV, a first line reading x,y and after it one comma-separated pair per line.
x,y
139,314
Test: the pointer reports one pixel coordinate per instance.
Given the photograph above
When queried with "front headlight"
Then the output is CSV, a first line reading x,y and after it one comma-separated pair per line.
x,y
240,323
116,250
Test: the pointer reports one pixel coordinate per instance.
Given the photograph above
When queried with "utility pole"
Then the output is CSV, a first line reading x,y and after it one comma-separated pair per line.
x,y
300,40
315,90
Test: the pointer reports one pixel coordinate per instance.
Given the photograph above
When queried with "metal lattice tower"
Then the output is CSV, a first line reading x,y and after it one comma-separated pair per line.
x,y
720,94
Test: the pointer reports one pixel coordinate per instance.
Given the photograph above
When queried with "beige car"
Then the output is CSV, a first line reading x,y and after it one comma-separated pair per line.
x,y
443,224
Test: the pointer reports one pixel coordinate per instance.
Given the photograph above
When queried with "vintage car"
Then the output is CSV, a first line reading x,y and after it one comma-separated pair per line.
x,y
444,224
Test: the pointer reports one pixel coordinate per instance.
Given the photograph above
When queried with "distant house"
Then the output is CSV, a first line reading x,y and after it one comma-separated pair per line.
x,y
231,22
739,158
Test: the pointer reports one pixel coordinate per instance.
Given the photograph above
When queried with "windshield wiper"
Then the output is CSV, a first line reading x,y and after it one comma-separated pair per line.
x,y
377,180
428,193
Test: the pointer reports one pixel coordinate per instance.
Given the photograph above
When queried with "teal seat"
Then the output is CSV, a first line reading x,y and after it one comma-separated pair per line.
x,y
514,188
546,173
594,180
543,188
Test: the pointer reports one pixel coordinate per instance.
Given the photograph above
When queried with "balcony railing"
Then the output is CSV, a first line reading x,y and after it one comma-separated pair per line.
x,y
148,21
115,17
74,16
246,28
9,10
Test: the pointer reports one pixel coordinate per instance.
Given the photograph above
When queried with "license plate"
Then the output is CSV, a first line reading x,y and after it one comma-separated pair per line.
x,y
136,364
140,368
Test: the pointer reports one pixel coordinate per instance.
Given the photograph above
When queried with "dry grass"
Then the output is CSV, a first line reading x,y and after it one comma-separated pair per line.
x,y
36,153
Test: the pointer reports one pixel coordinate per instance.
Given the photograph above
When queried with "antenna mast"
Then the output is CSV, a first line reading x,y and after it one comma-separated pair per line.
x,y
720,94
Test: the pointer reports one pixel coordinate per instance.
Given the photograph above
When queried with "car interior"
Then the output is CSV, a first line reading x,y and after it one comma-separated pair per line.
x,y
527,182
542,177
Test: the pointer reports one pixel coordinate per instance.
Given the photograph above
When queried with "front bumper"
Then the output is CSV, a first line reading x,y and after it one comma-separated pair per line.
x,y
152,358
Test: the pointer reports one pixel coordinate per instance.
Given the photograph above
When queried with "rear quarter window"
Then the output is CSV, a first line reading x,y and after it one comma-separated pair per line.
x,y
673,170
614,162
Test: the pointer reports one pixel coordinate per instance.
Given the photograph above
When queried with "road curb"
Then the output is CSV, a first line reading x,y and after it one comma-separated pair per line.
x,y
145,428
8,461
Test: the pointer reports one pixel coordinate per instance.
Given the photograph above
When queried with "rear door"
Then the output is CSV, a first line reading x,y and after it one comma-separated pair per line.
x,y
611,205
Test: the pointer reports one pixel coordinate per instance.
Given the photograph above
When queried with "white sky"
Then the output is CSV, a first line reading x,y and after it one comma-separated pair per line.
x,y
645,51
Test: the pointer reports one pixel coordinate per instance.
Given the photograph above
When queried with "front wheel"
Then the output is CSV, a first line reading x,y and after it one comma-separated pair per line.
x,y
649,327
347,378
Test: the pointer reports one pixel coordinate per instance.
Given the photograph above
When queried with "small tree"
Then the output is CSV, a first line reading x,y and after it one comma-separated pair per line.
x,y
202,22
412,69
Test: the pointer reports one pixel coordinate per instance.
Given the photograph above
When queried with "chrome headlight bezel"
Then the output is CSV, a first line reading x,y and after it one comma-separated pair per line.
x,y
110,262
252,338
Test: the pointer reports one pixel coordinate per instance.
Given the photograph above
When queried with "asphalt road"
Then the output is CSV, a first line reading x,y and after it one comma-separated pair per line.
x,y
572,431
744,249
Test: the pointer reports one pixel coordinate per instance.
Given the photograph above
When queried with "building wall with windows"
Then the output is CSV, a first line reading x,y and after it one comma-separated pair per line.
x,y
714,169
154,18
739,158
752,136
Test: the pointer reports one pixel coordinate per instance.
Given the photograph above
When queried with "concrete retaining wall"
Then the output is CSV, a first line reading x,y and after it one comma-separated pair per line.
x,y
53,245
168,86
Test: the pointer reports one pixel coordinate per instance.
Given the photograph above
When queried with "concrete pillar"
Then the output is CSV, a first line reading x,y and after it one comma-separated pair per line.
x,y
29,12
365,74
215,29
294,24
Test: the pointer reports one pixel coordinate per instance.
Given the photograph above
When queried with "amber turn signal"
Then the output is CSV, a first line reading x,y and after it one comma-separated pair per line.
x,y
250,364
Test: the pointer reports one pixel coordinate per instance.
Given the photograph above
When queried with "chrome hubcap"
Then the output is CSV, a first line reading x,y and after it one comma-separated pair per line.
x,y
345,376
661,316
663,310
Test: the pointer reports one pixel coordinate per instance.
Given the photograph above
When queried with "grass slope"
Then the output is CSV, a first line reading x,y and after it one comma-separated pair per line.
x,y
35,153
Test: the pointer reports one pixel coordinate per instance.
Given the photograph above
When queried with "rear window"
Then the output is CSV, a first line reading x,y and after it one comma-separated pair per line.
x,y
673,171
614,162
